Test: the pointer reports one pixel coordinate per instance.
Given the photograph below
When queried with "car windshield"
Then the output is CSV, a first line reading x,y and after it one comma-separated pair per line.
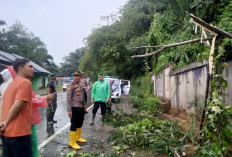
x,y
115,85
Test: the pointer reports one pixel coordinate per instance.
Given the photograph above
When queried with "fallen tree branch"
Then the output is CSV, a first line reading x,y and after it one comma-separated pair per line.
x,y
165,115
167,46
143,47
149,54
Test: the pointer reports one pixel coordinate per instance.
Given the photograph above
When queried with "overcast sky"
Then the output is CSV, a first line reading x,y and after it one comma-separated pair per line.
x,y
61,24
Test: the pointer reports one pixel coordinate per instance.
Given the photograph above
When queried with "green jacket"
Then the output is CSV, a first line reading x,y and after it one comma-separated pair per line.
x,y
100,91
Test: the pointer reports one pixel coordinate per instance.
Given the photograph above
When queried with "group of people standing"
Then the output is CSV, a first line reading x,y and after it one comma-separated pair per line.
x,y
19,112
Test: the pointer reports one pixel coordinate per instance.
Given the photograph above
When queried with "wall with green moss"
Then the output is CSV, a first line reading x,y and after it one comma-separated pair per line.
x,y
37,81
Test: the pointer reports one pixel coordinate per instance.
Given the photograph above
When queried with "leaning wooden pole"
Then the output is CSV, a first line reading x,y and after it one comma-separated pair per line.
x,y
208,83
163,47
205,103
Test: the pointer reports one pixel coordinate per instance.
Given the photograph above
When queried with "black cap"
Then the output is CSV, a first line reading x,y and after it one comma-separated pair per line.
x,y
52,75
76,73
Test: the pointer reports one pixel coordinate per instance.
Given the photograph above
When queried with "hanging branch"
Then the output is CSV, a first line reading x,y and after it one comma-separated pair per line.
x,y
142,47
166,46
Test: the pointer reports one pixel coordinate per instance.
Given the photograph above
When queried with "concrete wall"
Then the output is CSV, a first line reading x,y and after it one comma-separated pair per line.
x,y
228,76
186,87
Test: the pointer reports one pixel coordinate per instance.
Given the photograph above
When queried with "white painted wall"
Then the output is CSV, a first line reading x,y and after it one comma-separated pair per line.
x,y
185,87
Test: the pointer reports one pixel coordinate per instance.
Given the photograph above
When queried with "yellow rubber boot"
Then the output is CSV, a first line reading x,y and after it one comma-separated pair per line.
x,y
78,137
72,140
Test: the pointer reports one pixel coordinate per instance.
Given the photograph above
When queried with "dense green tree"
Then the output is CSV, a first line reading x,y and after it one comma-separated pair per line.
x,y
71,62
149,22
161,22
2,22
17,39
109,46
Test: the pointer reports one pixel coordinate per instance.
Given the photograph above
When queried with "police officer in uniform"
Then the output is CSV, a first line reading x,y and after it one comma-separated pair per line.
x,y
52,104
76,108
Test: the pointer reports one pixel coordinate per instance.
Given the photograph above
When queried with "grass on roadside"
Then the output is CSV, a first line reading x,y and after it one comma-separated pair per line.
x,y
150,134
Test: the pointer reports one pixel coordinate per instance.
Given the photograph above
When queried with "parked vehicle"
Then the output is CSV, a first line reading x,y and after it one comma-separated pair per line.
x,y
125,87
118,86
65,85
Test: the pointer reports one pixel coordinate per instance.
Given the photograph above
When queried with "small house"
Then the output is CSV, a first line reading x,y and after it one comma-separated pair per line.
x,y
40,78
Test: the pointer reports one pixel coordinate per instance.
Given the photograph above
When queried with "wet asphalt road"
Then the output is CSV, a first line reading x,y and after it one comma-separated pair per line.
x,y
53,139
43,130
95,135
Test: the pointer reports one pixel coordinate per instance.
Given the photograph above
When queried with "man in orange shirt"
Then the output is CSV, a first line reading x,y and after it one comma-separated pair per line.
x,y
16,112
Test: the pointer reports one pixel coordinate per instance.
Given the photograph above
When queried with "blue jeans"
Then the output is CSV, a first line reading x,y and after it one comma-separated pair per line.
x,y
17,146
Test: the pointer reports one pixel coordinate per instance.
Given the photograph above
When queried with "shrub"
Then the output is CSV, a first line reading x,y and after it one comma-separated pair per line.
x,y
153,134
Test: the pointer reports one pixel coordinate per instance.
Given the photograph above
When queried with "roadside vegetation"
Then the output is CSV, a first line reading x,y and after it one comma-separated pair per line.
x,y
19,40
143,129
109,49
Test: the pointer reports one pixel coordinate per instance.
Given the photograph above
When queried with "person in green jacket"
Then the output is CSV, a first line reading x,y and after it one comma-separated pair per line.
x,y
100,96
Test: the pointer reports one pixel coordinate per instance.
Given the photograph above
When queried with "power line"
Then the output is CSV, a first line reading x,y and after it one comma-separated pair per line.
x,y
175,22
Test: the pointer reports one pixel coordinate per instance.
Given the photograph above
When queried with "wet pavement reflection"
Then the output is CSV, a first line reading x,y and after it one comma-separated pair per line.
x,y
44,131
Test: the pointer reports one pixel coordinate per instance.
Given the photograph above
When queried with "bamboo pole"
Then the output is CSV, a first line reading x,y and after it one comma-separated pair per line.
x,y
166,46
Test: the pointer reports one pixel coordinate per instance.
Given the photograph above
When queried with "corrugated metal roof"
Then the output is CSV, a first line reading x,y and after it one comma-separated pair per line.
x,y
10,57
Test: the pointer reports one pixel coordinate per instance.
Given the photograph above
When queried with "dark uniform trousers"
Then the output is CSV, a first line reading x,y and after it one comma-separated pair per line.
x,y
96,106
17,146
77,118
51,109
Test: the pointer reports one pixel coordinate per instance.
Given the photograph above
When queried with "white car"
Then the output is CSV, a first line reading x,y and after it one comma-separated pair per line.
x,y
65,85
119,86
